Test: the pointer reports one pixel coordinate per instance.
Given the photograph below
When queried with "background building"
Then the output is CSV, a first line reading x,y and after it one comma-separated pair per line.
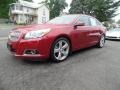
x,y
24,12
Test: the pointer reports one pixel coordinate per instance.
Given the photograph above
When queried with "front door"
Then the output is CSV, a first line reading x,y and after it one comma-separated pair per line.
x,y
83,33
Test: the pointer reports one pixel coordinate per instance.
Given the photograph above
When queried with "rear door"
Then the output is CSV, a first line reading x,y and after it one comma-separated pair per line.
x,y
95,32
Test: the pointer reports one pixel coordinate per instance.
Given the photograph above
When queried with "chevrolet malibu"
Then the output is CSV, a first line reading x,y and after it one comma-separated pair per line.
x,y
56,38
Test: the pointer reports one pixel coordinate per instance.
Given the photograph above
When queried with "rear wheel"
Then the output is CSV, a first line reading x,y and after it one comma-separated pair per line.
x,y
101,42
60,50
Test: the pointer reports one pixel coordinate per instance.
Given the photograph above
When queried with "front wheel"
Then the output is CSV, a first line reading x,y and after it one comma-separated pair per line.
x,y
60,50
101,42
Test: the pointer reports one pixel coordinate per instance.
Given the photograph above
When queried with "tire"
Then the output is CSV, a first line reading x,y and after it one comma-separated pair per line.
x,y
60,50
101,42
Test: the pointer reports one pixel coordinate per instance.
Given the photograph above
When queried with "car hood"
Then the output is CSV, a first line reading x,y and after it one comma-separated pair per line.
x,y
113,33
40,27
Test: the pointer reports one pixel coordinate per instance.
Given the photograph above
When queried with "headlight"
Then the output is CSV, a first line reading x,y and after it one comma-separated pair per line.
x,y
36,34
14,35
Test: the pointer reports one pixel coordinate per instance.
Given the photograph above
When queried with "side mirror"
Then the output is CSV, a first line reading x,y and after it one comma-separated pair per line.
x,y
79,24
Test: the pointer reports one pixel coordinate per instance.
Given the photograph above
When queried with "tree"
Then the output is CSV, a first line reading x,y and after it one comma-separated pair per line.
x,y
29,0
103,10
55,7
4,8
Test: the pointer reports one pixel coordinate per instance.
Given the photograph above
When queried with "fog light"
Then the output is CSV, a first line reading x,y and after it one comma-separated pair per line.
x,y
32,52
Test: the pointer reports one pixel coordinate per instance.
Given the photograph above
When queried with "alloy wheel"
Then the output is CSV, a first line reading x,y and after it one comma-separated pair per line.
x,y
61,50
102,41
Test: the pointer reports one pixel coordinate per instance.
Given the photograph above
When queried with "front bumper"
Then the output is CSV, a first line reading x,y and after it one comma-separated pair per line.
x,y
42,46
30,57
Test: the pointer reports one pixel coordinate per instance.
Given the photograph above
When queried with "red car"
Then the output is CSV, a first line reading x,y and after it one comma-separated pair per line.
x,y
57,38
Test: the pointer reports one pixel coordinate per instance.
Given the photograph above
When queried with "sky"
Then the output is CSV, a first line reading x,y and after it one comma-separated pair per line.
x,y
69,2
118,16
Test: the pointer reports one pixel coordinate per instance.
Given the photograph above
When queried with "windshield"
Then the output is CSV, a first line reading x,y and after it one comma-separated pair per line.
x,y
67,19
115,29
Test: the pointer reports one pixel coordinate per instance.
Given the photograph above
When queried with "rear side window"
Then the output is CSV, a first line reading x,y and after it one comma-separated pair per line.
x,y
93,22
99,23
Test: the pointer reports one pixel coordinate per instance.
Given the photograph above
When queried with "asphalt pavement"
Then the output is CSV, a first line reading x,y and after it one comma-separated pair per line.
x,y
88,69
5,29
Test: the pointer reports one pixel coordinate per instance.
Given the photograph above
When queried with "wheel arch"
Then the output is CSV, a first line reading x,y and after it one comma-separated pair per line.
x,y
64,36
58,38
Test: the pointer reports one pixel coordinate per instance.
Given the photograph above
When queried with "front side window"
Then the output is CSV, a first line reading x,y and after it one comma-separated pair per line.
x,y
84,19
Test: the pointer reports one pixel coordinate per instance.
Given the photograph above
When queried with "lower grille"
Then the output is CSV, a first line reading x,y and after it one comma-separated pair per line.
x,y
32,52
